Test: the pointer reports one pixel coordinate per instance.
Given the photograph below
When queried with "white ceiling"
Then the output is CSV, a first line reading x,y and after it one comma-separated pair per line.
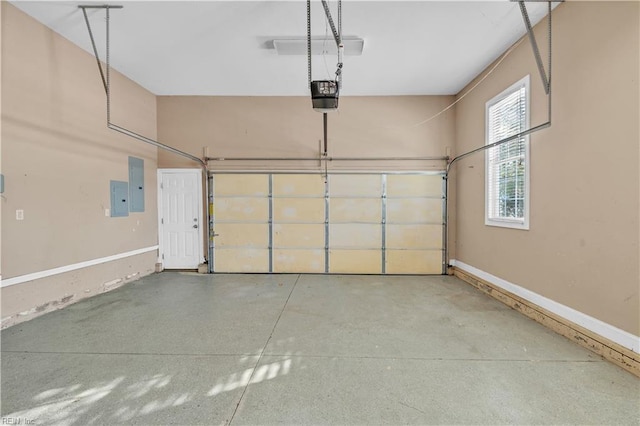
x,y
222,47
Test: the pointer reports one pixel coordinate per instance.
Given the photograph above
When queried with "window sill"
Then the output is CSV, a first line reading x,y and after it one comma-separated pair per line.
x,y
506,223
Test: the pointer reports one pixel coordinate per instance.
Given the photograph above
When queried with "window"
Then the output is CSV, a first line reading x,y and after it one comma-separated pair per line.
x,y
507,165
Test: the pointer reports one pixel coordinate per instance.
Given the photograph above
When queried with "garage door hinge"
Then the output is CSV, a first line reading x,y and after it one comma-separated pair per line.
x,y
162,221
162,256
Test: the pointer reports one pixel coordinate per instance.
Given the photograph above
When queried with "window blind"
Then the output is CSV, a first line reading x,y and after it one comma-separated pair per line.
x,y
506,163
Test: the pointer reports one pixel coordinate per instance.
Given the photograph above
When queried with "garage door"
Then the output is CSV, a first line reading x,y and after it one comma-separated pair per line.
x,y
340,223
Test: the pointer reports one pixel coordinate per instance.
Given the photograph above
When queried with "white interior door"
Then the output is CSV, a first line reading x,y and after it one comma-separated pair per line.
x,y
180,218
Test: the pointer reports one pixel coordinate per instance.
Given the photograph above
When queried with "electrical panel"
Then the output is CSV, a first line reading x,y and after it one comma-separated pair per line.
x,y
119,199
136,184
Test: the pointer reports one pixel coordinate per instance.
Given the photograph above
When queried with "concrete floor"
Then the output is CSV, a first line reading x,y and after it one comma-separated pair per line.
x,y
288,349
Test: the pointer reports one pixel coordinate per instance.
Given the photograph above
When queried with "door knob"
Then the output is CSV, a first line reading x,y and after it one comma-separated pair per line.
x,y
195,226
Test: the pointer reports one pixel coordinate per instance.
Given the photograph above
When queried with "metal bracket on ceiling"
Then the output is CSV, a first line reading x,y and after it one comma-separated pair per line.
x,y
337,33
84,8
337,36
546,77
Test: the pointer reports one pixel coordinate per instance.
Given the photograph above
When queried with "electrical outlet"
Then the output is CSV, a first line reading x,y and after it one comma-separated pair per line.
x,y
19,214
107,212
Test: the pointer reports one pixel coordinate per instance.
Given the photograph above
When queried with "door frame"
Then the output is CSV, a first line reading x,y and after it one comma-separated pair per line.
x,y
198,173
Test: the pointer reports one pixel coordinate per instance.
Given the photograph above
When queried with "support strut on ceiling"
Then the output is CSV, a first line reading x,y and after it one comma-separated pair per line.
x,y
545,75
93,42
104,74
337,34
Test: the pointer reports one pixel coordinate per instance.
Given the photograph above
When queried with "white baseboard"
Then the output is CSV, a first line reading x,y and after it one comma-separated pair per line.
x,y
616,335
68,268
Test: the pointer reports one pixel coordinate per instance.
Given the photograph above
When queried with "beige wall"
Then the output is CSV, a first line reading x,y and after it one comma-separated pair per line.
x,y
288,127
58,158
582,246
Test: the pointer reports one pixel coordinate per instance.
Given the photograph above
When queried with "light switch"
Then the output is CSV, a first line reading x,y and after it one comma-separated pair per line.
x,y
107,212
19,214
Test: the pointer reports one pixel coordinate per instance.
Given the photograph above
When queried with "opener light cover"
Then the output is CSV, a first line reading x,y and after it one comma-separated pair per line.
x,y
353,46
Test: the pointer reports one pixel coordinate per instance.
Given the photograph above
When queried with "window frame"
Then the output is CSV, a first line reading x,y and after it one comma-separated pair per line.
x,y
504,222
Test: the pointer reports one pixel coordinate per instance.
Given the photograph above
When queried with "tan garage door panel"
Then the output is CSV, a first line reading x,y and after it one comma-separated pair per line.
x,y
241,260
297,235
414,262
414,236
298,185
241,209
355,185
355,210
355,235
237,184
293,218
414,210
355,261
310,261
414,186
290,210
242,235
